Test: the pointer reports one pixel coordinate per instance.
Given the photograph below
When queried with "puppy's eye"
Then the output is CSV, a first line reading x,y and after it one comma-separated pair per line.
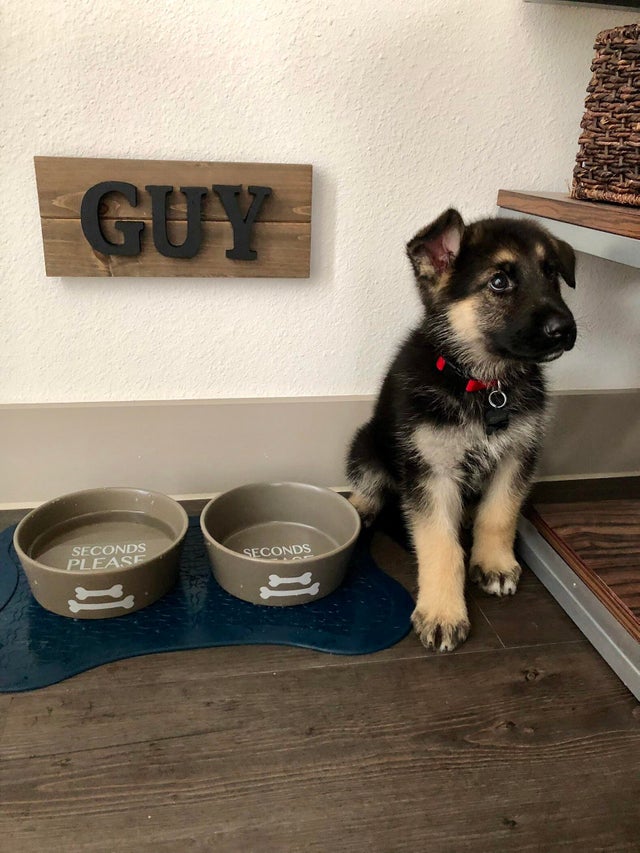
x,y
549,270
500,283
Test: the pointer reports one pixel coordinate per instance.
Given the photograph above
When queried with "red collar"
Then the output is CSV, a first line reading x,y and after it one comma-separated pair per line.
x,y
472,384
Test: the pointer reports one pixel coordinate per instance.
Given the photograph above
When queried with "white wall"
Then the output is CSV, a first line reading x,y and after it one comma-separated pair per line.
x,y
403,108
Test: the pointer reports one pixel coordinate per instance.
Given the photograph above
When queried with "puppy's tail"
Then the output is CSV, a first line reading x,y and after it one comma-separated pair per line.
x,y
367,475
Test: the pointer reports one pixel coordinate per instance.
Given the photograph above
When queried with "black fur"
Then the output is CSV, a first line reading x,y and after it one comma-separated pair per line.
x,y
486,334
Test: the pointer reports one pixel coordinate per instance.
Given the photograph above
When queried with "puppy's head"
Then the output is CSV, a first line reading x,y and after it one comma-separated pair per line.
x,y
492,288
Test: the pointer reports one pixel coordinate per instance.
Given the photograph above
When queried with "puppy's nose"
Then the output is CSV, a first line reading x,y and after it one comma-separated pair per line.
x,y
560,328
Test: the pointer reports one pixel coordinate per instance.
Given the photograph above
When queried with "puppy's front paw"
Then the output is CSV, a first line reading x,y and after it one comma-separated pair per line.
x,y
439,633
496,581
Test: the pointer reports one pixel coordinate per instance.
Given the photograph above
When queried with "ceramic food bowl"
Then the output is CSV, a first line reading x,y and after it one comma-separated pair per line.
x,y
101,553
279,543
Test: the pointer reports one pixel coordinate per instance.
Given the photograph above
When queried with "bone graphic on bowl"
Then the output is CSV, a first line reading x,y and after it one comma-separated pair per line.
x,y
127,603
303,580
265,592
114,592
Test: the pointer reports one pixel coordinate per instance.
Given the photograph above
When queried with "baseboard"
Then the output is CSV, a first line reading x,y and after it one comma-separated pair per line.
x,y
189,448
586,488
195,448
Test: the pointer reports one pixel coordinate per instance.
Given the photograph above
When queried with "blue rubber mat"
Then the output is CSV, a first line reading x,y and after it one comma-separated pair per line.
x,y
369,612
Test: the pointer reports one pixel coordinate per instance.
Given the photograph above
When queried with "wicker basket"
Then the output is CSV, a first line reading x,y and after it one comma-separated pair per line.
x,y
608,162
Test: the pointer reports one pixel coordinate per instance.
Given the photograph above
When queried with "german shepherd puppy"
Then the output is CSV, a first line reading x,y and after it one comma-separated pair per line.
x,y
461,412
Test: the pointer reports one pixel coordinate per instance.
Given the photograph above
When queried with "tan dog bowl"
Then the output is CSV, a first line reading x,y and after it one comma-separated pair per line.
x,y
279,543
102,552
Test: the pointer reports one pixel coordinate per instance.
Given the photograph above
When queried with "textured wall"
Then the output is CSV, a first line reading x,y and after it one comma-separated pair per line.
x,y
402,108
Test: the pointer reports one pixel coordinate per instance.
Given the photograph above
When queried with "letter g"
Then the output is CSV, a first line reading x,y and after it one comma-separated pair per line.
x,y
90,220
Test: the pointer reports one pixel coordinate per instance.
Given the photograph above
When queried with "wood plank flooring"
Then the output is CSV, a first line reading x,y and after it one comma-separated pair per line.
x,y
521,740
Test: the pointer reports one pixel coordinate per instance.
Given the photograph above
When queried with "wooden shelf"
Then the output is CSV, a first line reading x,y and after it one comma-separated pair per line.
x,y
574,555
613,218
608,231
619,5
583,541
600,541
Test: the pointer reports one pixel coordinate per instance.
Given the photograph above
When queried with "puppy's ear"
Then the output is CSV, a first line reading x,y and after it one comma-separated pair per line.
x,y
566,262
433,249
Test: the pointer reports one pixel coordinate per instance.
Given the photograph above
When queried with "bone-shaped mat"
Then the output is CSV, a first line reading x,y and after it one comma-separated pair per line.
x,y
369,612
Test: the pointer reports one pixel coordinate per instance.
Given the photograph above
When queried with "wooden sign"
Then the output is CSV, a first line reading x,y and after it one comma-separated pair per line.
x,y
172,218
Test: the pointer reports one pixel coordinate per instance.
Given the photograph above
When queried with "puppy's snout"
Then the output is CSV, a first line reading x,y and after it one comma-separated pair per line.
x,y
560,329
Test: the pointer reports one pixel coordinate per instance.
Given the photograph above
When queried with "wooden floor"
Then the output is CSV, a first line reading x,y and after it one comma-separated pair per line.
x,y
521,740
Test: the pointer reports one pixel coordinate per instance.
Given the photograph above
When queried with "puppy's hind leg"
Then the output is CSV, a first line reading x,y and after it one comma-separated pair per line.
x,y
366,475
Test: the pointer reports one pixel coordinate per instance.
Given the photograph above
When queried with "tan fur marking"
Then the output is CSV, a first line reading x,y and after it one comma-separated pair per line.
x,y
425,267
443,280
541,252
440,573
505,256
440,556
364,506
495,524
463,316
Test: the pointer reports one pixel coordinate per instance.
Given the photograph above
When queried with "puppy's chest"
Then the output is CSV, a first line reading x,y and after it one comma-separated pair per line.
x,y
467,452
